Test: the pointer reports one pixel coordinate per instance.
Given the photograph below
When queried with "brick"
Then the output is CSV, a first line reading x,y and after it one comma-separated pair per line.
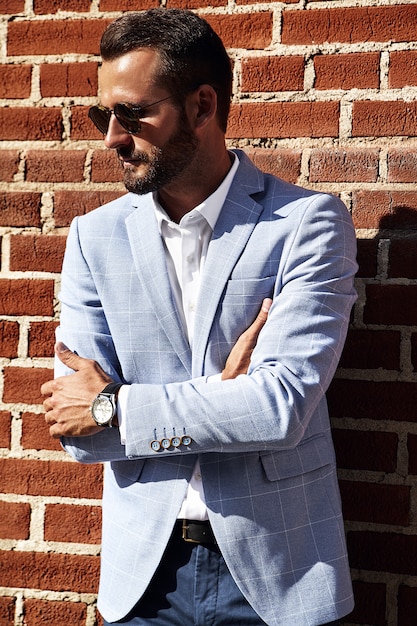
x,y
45,613
351,165
351,25
367,502
46,37
361,399
31,124
383,118
5,429
391,304
77,524
347,71
126,5
68,79
402,255
56,166
22,384
370,604
385,209
12,6
273,74
402,69
285,164
412,453
383,552
192,4
251,31
105,167
7,604
407,605
68,204
35,433
52,572
367,257
42,339
53,6
81,125
366,450
372,349
20,208
402,166
50,478
26,297
413,340
14,520
50,37
9,339
9,165
284,119
256,1
15,81
41,253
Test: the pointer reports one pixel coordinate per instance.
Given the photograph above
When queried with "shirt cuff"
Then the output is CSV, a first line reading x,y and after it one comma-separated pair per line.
x,y
121,411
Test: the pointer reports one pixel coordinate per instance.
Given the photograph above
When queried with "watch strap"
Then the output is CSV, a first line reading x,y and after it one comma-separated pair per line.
x,y
112,388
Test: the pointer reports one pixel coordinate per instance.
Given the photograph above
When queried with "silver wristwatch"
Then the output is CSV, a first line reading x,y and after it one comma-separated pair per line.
x,y
104,408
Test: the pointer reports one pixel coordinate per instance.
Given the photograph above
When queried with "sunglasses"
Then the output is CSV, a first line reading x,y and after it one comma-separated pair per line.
x,y
128,116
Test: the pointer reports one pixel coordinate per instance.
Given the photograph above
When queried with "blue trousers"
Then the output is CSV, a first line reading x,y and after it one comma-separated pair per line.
x,y
192,587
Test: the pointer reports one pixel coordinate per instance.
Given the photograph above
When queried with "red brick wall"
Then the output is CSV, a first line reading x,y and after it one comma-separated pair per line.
x,y
326,96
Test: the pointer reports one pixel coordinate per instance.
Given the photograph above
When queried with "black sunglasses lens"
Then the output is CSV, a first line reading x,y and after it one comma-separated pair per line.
x,y
100,118
127,118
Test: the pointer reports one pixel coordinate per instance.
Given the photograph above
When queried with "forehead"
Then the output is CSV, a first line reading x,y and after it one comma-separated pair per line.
x,y
130,77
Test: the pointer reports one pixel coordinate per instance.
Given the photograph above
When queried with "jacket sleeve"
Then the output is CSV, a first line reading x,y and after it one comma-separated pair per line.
x,y
282,398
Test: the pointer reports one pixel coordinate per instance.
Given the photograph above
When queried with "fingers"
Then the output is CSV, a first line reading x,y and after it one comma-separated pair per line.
x,y
69,358
263,313
251,334
238,360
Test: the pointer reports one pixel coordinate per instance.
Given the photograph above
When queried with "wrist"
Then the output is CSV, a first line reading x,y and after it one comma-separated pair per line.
x,y
104,406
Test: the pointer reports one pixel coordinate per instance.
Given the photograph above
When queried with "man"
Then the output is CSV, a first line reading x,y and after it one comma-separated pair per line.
x,y
220,505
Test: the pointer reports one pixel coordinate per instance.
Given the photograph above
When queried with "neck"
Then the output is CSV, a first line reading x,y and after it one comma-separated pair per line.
x,y
194,186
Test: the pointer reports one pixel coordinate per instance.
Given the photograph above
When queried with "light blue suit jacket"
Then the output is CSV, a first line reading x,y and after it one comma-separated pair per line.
x,y
263,439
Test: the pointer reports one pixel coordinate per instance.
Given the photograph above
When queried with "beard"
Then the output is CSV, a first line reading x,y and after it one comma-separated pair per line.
x,y
163,164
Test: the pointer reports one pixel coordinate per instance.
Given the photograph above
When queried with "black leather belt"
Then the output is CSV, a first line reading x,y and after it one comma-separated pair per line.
x,y
196,532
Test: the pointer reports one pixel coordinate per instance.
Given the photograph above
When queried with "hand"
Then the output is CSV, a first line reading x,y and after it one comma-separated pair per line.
x,y
69,398
239,358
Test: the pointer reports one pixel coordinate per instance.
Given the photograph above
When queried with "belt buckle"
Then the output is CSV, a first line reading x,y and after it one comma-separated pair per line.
x,y
185,536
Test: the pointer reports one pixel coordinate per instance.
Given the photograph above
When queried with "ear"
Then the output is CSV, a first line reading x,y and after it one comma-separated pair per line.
x,y
203,106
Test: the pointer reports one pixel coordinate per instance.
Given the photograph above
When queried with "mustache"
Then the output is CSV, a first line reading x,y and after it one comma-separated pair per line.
x,y
129,154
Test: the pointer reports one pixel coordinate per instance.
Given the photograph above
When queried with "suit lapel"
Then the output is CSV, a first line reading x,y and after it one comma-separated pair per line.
x,y
234,226
149,258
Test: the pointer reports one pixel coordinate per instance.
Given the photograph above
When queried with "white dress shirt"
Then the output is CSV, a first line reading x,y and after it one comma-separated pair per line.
x,y
186,246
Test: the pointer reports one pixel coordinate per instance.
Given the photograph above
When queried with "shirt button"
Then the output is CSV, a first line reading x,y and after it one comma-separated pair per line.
x,y
198,476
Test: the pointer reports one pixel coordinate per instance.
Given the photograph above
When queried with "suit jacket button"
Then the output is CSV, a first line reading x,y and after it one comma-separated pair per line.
x,y
176,442
186,440
155,445
165,443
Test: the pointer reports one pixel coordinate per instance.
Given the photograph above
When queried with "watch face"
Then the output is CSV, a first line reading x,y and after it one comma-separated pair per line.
x,y
102,410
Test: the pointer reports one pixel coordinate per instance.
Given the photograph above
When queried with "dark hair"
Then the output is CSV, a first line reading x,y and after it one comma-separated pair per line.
x,y
191,53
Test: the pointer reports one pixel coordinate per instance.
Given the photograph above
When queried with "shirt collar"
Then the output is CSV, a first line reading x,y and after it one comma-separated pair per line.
x,y
210,207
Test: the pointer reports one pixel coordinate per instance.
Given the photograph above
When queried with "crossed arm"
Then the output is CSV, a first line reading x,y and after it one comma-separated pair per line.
x,y
68,399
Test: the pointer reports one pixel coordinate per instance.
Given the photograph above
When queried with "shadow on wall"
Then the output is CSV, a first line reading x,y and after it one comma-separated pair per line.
x,y
372,403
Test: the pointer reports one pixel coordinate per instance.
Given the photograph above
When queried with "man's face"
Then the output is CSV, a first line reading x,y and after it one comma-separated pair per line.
x,y
166,145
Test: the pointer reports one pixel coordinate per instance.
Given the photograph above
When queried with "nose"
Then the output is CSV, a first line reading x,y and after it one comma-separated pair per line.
x,y
116,135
